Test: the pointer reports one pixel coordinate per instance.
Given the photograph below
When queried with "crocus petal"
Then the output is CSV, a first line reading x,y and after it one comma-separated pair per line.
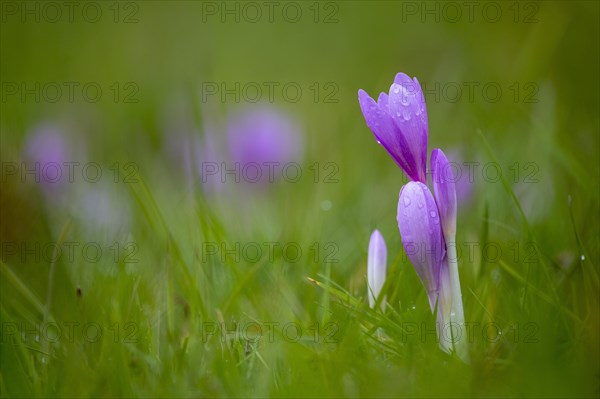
x,y
381,124
407,109
376,266
419,224
445,191
399,122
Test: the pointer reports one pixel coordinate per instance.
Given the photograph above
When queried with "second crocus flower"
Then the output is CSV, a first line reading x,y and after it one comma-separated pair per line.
x,y
376,268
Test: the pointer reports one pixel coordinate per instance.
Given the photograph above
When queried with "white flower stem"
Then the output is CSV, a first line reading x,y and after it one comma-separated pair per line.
x,y
457,314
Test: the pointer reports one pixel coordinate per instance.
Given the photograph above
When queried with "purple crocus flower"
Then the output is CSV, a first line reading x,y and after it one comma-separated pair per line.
x,y
422,238
376,268
265,137
47,152
399,122
46,149
427,224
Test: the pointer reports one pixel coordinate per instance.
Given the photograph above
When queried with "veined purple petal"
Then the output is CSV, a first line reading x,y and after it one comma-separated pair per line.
x,y
399,122
376,266
384,129
445,191
419,224
406,109
402,78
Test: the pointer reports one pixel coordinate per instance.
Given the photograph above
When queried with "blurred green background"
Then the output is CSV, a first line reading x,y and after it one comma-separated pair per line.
x,y
510,83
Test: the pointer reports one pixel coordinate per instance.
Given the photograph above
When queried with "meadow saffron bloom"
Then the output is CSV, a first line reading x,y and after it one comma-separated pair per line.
x,y
266,138
399,122
427,223
422,238
46,151
376,268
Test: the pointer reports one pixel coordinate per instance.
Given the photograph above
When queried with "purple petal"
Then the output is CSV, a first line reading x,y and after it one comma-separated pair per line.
x,y
407,110
402,78
399,122
445,191
419,224
384,129
376,269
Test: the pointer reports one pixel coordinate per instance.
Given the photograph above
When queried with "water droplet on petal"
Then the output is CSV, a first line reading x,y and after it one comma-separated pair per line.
x,y
396,89
420,204
406,201
432,214
404,99
406,114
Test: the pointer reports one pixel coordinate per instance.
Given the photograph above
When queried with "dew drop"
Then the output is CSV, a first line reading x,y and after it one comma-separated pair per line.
x,y
406,114
420,204
326,205
404,99
582,258
396,89
413,307
432,214
406,201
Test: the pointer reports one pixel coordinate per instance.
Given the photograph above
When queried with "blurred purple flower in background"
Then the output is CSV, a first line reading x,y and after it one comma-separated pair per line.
x,y
263,140
45,151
